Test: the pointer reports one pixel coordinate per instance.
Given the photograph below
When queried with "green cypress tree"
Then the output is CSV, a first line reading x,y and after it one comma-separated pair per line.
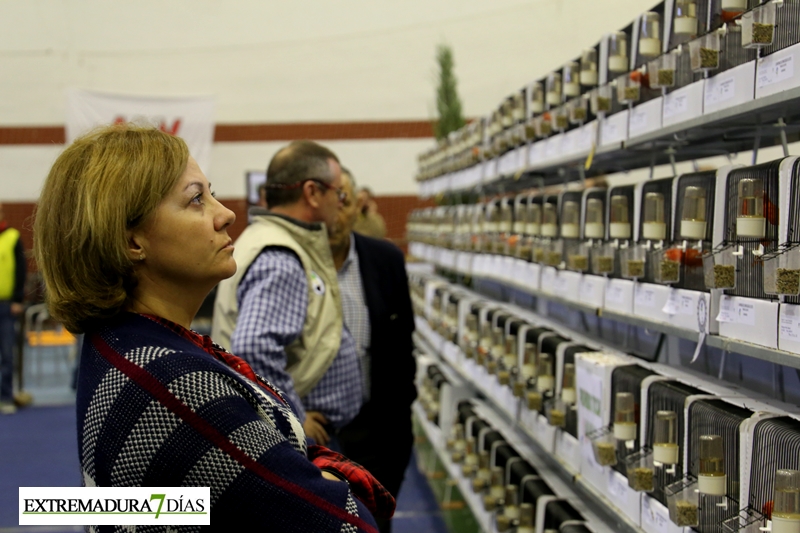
x,y
447,102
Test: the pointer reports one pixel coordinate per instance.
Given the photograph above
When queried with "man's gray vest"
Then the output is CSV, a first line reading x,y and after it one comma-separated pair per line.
x,y
309,356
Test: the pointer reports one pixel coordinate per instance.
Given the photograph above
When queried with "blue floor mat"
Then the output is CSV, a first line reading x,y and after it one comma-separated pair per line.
x,y
39,448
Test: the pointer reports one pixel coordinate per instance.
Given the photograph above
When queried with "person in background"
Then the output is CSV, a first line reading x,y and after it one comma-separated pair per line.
x,y
282,311
369,222
130,239
262,196
13,269
377,310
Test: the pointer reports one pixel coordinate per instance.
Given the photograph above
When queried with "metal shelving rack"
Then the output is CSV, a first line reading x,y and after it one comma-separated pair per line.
x,y
763,122
595,507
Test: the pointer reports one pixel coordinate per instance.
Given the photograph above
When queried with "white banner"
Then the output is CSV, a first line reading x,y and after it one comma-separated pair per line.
x,y
191,118
159,506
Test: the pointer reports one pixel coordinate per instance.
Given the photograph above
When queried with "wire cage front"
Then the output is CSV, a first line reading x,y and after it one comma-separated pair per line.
x,y
667,396
744,216
776,445
708,418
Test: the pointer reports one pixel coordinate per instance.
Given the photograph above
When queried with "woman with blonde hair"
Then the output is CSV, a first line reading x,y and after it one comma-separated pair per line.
x,y
130,240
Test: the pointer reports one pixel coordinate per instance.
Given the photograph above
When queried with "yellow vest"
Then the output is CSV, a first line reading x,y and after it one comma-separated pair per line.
x,y
8,263
309,356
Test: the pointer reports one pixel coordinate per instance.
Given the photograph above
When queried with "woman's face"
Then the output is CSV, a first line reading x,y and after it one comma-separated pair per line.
x,y
186,240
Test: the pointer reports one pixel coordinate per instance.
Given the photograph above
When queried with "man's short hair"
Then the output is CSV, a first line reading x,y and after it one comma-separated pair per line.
x,y
293,164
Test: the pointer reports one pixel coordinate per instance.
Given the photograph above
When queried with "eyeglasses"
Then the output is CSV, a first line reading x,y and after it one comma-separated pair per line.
x,y
340,194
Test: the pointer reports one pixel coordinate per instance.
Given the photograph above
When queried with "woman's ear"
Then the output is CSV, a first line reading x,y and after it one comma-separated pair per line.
x,y
135,249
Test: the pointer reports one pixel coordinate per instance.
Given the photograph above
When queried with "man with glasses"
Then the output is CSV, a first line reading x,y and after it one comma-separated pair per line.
x,y
282,310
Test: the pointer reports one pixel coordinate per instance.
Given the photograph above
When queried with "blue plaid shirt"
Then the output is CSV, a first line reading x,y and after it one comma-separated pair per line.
x,y
273,297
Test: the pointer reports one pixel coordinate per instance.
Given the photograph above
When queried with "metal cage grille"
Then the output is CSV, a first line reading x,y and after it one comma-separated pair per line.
x,y
776,445
793,231
733,54
715,417
749,270
787,27
667,396
627,379
692,267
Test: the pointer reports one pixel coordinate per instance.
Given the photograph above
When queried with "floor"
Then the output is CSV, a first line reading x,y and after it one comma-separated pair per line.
x,y
38,447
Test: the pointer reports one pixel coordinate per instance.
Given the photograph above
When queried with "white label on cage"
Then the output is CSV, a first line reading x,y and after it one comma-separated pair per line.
x,y
688,307
746,314
675,104
587,289
645,296
790,328
726,311
617,485
718,91
569,449
673,303
549,278
490,171
771,71
637,121
655,517
561,285
609,131
614,294
790,323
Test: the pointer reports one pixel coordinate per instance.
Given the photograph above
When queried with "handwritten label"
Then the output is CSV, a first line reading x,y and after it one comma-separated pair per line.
x,y
655,517
553,148
771,71
638,120
609,132
790,323
719,90
534,272
587,289
617,485
549,278
673,303
746,313
645,296
615,294
561,285
535,153
675,104
585,138
726,310
688,307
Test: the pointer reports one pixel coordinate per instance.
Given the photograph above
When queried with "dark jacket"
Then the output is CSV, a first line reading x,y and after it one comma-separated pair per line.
x,y
383,274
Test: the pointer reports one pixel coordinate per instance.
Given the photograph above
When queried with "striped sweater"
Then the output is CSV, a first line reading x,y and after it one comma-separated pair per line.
x,y
154,409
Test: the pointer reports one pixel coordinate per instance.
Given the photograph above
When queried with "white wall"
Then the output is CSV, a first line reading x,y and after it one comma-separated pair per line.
x,y
271,61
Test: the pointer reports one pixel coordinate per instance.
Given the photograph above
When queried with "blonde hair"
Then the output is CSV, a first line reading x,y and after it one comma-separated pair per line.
x,y
104,184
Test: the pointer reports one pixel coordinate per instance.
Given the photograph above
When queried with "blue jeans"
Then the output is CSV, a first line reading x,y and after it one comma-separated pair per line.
x,y
7,337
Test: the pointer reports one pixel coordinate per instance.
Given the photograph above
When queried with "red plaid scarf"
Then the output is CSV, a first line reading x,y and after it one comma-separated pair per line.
x,y
363,484
205,343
